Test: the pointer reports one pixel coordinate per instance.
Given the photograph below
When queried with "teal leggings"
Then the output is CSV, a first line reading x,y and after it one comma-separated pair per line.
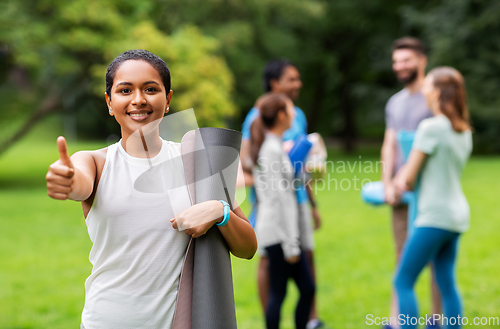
x,y
424,245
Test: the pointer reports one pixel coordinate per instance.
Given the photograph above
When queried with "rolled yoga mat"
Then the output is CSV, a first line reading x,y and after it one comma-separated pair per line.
x,y
405,141
373,193
299,152
205,297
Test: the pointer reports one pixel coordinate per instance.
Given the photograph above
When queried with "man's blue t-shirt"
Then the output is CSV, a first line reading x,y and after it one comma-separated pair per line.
x,y
299,127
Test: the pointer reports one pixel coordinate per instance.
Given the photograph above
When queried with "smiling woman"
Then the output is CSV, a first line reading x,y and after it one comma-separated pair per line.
x,y
138,92
137,97
137,252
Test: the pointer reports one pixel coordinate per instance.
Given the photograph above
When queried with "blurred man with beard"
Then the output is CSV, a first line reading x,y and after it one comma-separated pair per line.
x,y
403,111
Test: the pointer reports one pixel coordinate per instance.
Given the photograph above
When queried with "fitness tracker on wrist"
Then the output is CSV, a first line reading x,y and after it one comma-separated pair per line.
x,y
227,213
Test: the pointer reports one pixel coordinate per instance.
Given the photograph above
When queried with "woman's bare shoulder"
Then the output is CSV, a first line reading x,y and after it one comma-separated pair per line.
x,y
95,154
91,158
99,157
99,154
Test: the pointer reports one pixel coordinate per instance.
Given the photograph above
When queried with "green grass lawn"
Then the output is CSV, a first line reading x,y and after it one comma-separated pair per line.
x,y
44,248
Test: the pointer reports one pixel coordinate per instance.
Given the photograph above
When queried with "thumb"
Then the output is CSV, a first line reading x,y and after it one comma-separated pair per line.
x,y
63,152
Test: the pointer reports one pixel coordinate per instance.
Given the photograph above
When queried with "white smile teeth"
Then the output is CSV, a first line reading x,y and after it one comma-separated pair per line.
x,y
138,114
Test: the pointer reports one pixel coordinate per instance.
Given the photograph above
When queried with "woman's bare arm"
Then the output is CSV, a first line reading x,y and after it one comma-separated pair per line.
x,y
413,167
238,233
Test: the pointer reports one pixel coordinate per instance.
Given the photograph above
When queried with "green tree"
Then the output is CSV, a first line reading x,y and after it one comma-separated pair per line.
x,y
55,53
218,48
340,47
465,34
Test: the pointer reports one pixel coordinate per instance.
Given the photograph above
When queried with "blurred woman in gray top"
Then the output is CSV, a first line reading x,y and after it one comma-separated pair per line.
x,y
277,219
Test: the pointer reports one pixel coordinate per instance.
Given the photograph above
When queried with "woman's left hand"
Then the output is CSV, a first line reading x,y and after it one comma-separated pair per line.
x,y
400,181
199,218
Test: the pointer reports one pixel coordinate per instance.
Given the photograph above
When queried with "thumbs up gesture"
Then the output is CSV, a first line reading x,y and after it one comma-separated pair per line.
x,y
60,175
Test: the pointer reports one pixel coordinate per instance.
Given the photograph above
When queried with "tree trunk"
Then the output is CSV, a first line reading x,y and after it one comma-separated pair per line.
x,y
347,112
319,94
51,103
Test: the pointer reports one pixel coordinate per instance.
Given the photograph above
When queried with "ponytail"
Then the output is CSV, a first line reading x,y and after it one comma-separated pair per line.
x,y
258,134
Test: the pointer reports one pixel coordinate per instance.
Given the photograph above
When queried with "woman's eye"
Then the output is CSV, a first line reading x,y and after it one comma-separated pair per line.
x,y
151,89
125,91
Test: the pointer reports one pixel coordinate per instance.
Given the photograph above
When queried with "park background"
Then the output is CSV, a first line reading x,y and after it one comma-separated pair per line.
x,y
53,57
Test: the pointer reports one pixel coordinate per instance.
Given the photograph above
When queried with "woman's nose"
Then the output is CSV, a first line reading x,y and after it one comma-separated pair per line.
x,y
139,99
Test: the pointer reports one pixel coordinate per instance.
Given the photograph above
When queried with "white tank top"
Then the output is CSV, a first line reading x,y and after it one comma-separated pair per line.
x,y
136,254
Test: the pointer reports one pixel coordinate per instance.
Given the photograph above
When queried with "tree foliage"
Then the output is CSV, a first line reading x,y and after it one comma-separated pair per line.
x,y
465,34
217,50
56,53
340,47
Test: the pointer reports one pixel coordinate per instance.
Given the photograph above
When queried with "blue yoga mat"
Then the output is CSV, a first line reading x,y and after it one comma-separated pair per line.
x,y
405,142
373,193
299,152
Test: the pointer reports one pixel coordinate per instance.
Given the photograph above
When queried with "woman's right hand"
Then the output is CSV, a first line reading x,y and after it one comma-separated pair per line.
x,y
293,259
60,175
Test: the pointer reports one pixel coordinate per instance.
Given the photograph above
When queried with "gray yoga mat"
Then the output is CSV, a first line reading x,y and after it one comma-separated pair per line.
x,y
205,298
